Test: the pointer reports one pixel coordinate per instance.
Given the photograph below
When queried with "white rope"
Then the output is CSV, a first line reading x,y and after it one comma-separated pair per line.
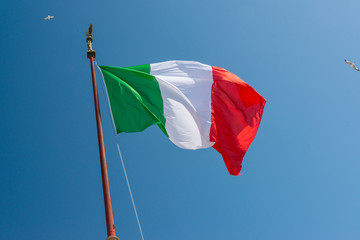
x,y
132,199
105,93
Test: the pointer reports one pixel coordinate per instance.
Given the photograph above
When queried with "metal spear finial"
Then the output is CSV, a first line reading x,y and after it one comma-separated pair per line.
x,y
89,40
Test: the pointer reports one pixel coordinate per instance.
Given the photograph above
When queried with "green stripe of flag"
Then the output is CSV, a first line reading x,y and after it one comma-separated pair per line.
x,y
135,98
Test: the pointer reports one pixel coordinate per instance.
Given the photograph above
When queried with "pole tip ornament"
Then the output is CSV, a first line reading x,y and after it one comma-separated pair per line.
x,y
89,40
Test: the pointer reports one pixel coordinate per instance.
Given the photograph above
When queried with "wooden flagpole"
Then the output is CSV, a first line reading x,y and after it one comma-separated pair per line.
x,y
110,226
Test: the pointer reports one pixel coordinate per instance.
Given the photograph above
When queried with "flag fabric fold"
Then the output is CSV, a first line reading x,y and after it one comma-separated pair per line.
x,y
194,104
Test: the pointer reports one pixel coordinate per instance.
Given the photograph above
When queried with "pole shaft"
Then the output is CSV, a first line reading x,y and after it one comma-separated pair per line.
x,y
104,173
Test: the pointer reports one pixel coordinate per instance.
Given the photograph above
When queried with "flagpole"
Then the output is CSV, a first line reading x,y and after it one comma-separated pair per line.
x,y
110,226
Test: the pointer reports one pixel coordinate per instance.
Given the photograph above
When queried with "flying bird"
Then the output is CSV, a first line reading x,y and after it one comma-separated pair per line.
x,y
48,17
352,64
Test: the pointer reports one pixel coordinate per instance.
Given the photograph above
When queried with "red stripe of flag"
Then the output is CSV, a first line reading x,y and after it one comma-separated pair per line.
x,y
236,111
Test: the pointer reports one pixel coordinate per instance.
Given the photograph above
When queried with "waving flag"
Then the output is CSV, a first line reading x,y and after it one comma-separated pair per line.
x,y
195,105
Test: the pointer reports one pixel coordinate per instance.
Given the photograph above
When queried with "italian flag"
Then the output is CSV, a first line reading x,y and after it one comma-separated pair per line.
x,y
195,105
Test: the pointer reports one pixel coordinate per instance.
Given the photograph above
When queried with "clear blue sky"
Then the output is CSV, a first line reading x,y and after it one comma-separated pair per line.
x,y
300,176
